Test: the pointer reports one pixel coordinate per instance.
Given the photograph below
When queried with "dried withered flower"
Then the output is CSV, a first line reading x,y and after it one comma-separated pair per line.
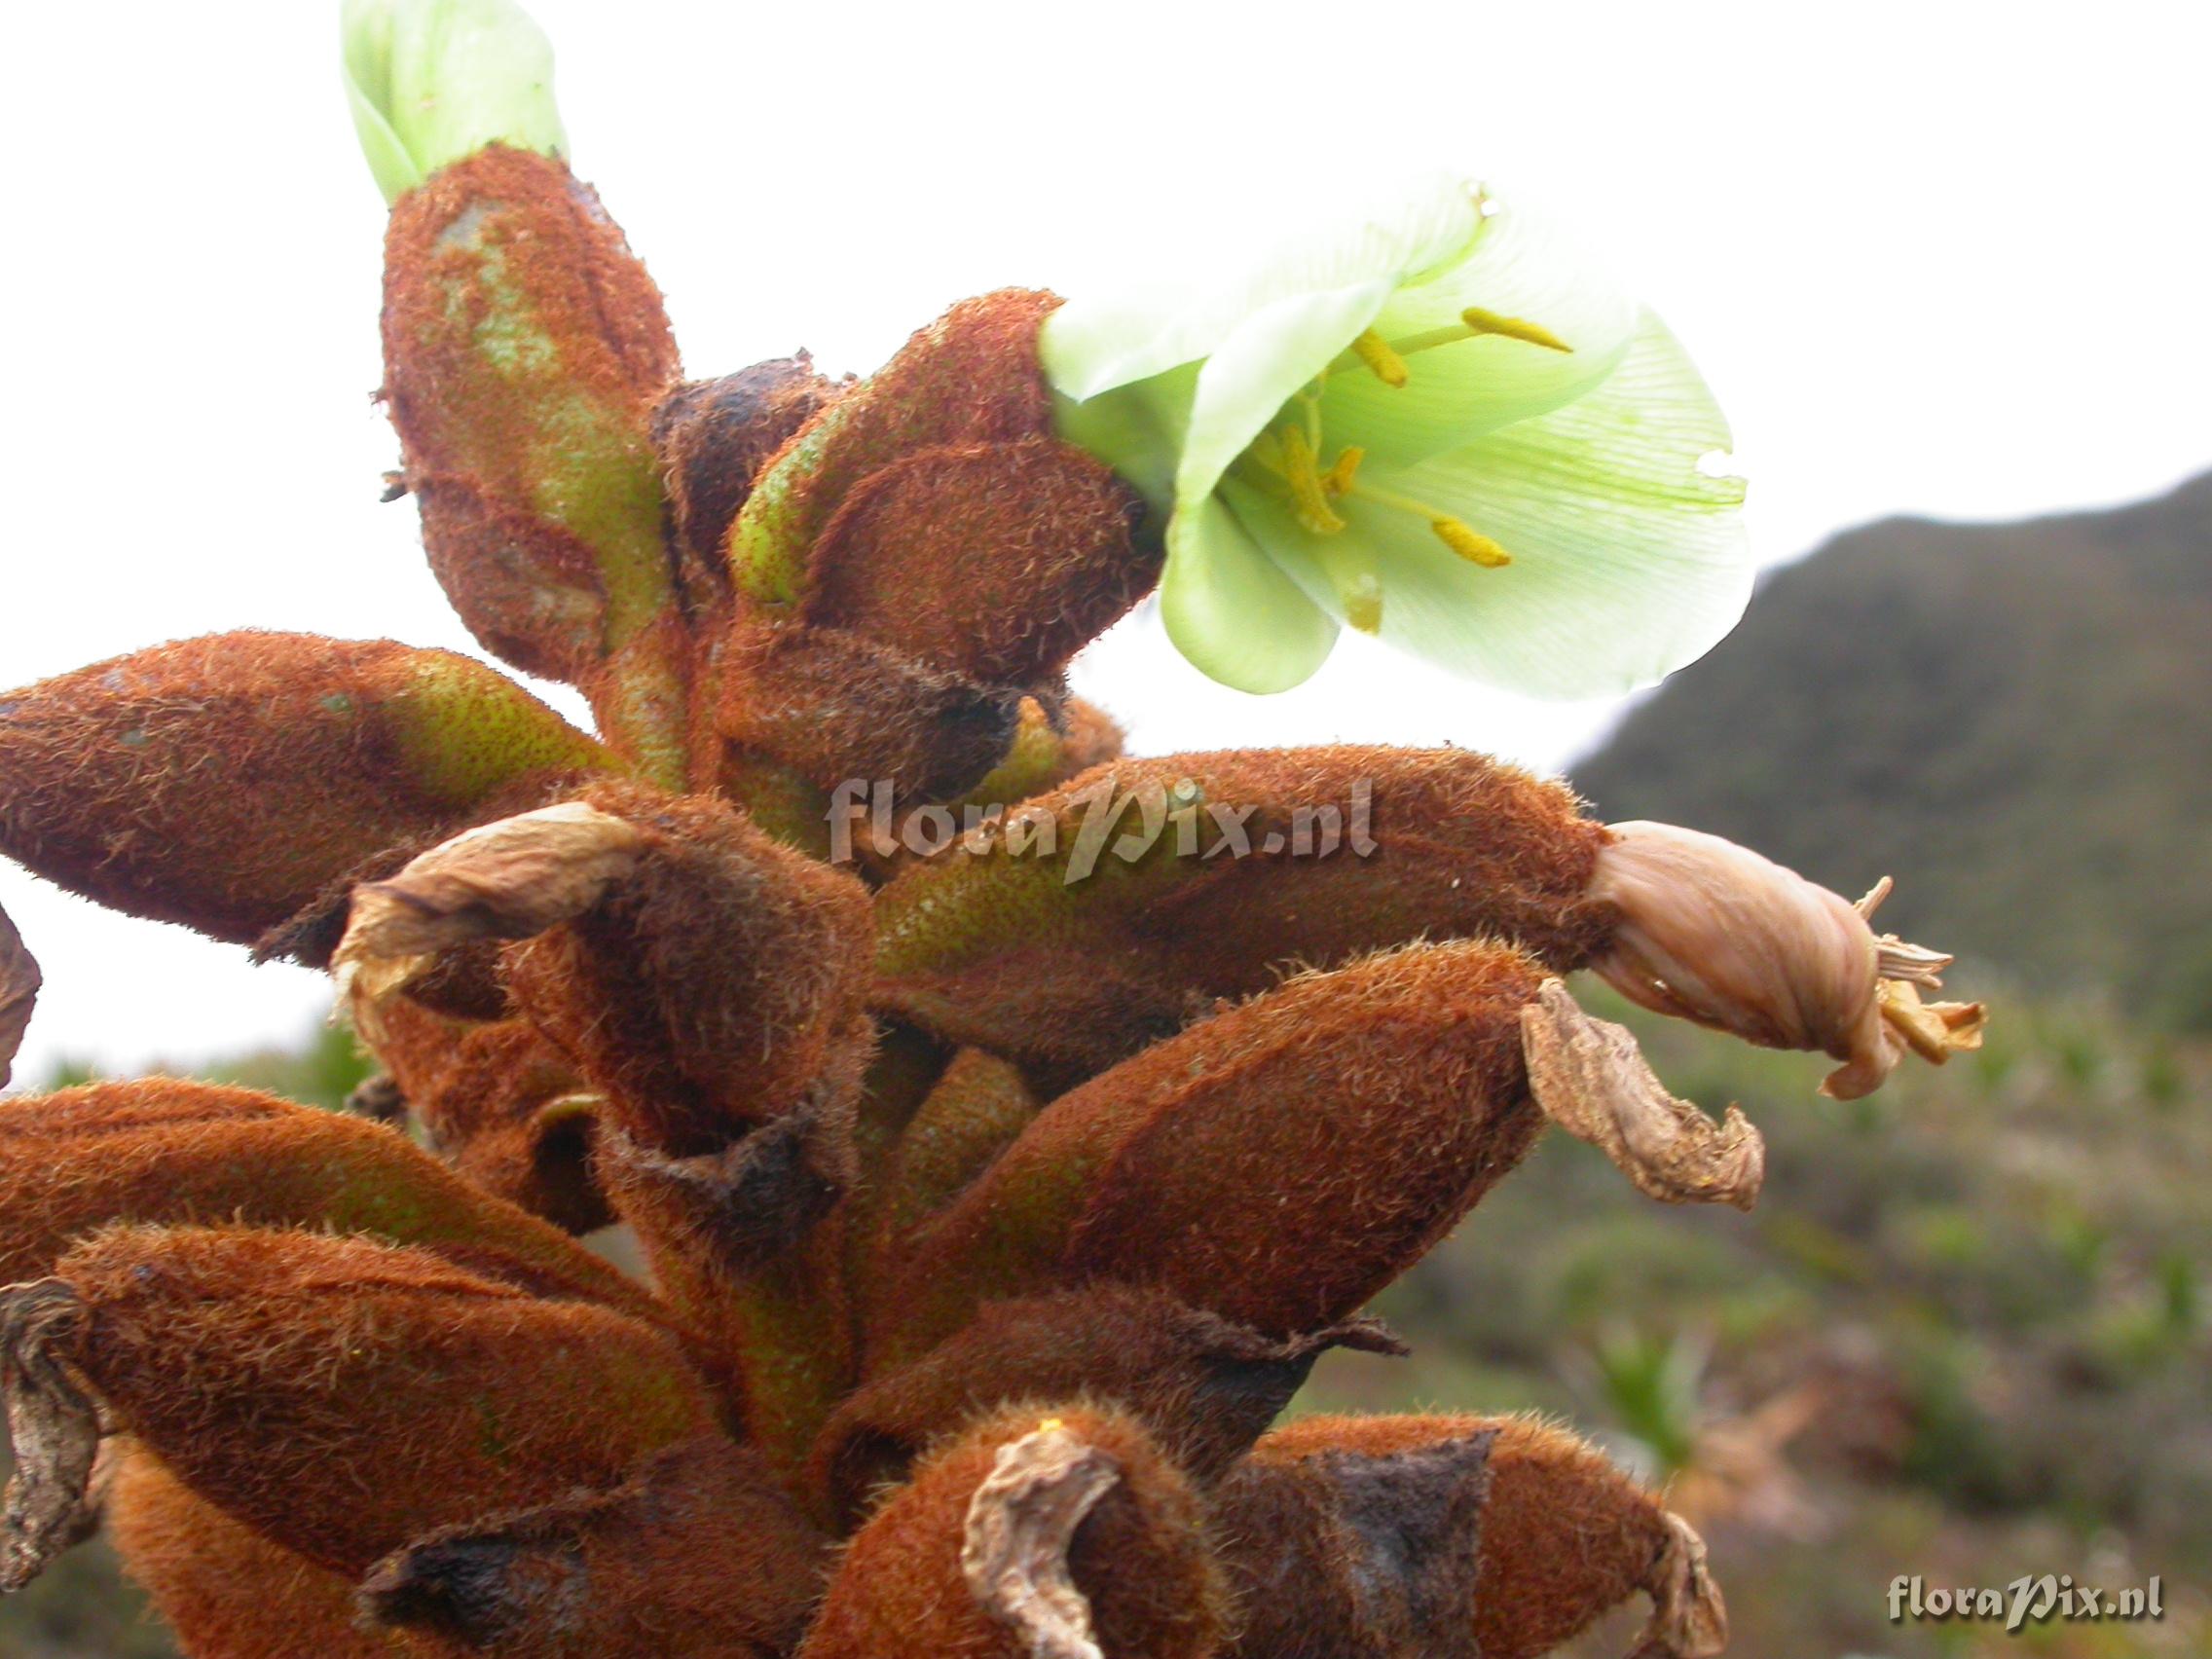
x,y
18,991
1591,1078
756,953
267,1368
226,782
1040,1533
1713,933
696,1556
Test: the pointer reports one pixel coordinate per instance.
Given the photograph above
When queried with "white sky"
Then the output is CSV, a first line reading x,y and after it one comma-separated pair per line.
x,y
1939,258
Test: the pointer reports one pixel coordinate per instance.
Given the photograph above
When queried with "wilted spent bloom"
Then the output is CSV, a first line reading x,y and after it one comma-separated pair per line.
x,y
18,991
1434,422
431,80
1711,932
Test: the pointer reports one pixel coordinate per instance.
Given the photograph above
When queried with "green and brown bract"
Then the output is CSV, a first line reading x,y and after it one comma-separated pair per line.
x,y
994,1209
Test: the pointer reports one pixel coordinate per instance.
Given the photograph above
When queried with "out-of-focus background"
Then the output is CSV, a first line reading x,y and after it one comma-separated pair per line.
x,y
1941,260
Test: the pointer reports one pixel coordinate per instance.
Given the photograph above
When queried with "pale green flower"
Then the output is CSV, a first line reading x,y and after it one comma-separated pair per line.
x,y
431,80
1436,426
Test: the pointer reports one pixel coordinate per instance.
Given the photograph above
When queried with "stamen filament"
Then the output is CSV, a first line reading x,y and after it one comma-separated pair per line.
x,y
1455,533
1475,322
1513,328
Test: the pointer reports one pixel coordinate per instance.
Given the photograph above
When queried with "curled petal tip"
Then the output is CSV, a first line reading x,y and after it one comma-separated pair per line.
x,y
1020,1523
1589,1077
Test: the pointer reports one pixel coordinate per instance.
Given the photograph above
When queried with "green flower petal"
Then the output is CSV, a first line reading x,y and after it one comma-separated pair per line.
x,y
1231,613
1520,266
1629,561
1245,383
1137,430
1092,345
432,81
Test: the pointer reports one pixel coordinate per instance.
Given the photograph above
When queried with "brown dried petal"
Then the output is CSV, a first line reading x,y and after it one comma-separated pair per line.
x,y
1591,1078
1020,1522
1689,1618
1140,1557
20,982
512,880
52,1426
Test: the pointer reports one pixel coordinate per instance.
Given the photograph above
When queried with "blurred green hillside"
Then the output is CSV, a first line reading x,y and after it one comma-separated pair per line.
x,y
2015,719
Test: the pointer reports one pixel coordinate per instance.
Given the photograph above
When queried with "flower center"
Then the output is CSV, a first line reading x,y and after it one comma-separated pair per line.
x,y
1289,455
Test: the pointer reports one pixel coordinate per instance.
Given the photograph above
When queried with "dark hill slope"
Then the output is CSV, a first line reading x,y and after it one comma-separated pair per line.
x,y
2015,719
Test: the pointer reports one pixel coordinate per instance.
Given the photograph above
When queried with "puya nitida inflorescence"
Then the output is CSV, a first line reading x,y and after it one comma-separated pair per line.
x,y
997,1196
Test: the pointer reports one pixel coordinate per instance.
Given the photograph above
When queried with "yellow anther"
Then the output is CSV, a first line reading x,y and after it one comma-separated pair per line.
x,y
1474,548
1049,1424
1309,499
1513,328
1376,352
1338,480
